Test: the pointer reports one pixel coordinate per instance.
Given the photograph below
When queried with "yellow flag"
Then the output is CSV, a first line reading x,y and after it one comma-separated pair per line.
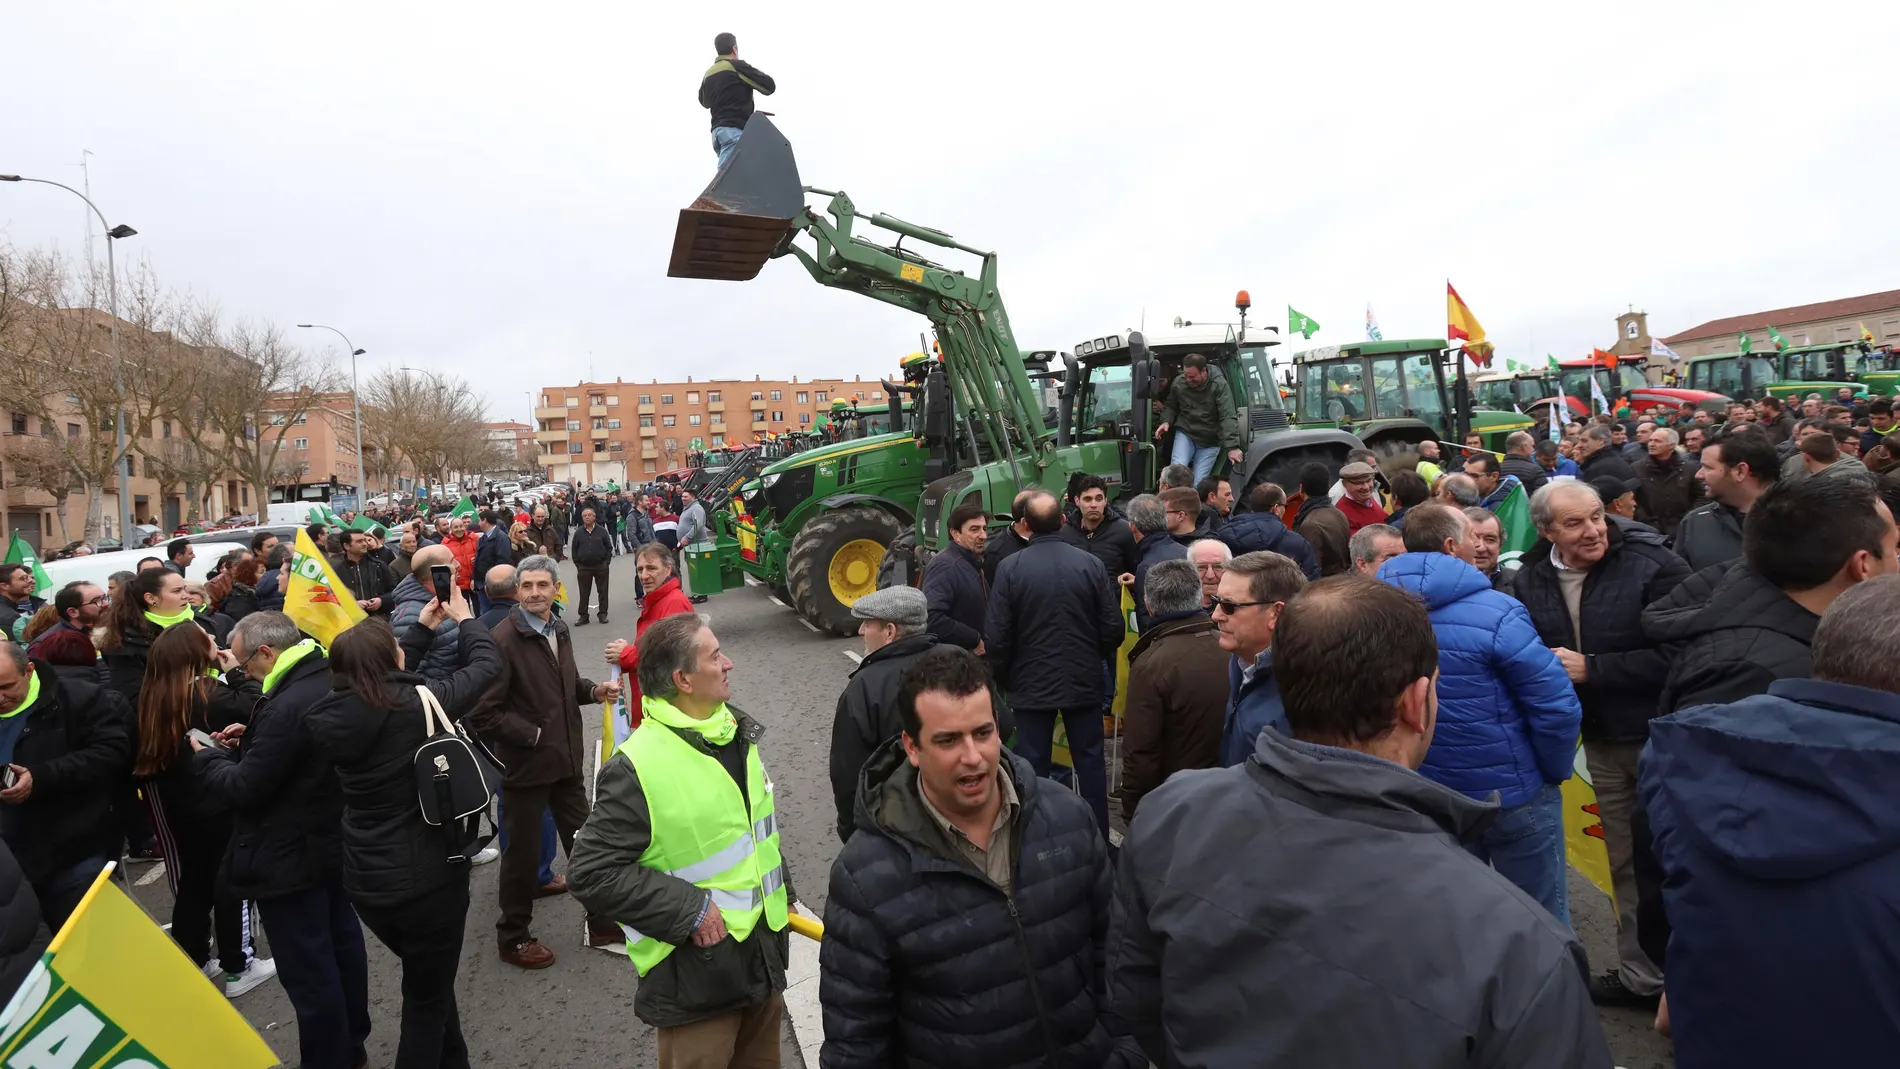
x,y
1583,829
113,990
317,600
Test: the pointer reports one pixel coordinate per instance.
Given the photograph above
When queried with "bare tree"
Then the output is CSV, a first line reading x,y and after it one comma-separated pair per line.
x,y
39,463
429,424
246,376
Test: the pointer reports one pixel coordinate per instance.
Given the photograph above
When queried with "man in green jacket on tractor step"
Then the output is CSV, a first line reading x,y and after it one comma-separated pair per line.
x,y
1200,411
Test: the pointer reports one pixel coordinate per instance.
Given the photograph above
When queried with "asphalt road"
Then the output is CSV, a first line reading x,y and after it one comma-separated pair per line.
x,y
579,1012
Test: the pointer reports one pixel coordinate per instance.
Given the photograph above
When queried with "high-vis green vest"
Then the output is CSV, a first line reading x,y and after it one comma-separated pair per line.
x,y
703,834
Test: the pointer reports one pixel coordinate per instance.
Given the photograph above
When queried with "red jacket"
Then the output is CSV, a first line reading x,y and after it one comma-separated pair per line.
x,y
665,600
1358,515
464,551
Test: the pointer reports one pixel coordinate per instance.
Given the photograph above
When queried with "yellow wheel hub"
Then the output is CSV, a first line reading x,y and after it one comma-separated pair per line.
x,y
853,570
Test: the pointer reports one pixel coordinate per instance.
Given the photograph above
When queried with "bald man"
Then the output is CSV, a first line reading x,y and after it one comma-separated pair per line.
x,y
499,584
414,594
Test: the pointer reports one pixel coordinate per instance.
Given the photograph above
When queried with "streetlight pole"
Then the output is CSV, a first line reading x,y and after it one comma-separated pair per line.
x,y
356,407
113,234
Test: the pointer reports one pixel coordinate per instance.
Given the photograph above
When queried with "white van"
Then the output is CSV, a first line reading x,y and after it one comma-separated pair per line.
x,y
96,568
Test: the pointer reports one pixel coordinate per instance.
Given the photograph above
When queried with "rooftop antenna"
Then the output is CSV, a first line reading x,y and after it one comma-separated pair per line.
x,y
85,172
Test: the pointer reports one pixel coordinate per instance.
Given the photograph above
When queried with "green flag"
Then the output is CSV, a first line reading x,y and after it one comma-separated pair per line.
x,y
1514,516
364,523
1302,324
21,553
1510,365
315,515
1748,346
1775,336
1553,362
464,508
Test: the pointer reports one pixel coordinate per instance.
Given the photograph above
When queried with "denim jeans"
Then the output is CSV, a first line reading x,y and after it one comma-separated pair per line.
x,y
321,962
1526,845
725,139
1035,743
550,840
1201,458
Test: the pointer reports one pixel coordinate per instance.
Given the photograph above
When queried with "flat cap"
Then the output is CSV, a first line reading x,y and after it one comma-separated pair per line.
x,y
897,605
1358,469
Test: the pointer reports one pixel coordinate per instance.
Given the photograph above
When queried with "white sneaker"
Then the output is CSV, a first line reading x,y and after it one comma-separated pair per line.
x,y
261,969
213,970
486,854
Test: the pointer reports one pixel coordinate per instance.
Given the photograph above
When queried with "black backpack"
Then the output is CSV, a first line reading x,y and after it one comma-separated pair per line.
x,y
456,778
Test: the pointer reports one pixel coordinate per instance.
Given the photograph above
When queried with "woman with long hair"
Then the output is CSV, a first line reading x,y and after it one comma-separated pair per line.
x,y
406,878
179,694
520,545
153,601
242,600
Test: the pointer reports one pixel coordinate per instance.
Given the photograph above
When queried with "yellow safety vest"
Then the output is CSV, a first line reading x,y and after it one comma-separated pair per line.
x,y
703,834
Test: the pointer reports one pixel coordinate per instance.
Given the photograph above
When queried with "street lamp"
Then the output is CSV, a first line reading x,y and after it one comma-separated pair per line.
x,y
356,408
113,234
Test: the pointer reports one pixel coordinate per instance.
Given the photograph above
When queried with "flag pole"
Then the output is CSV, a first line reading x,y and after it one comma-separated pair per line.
x,y
1461,401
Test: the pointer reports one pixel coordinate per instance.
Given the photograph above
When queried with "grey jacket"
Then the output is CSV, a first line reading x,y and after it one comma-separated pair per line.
x,y
604,873
1710,534
1283,869
692,527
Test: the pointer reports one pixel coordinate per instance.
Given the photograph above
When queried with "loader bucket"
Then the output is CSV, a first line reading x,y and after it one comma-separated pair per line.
x,y
731,230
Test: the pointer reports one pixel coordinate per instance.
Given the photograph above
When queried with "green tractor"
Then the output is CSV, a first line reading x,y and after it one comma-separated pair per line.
x,y
980,433
1791,373
1394,395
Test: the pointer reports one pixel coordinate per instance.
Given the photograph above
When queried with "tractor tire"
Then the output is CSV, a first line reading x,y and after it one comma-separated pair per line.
x,y
1396,455
900,558
1284,468
834,561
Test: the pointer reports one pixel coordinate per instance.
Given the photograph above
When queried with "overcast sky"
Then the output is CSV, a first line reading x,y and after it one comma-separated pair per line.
x,y
491,190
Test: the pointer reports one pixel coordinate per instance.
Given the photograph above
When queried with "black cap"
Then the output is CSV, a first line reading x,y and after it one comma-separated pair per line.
x,y
1609,487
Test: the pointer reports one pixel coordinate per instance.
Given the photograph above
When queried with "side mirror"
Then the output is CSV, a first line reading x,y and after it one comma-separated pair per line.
x,y
1137,347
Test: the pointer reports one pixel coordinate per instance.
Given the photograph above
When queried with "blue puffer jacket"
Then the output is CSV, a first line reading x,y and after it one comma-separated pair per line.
x,y
444,656
1507,714
1248,532
1778,831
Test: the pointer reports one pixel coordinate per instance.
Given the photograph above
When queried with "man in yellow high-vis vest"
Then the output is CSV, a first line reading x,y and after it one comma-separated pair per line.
x,y
682,851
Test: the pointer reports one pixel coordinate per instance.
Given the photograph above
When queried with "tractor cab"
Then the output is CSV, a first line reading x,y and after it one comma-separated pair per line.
x,y
1822,369
1392,394
1628,384
1733,374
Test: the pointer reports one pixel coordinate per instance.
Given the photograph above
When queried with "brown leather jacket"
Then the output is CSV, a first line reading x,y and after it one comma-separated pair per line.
x,y
1177,702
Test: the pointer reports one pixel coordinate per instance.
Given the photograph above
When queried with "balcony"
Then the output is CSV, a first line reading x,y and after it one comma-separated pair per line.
x,y
757,404
597,410
647,451
715,406
647,410
550,436
597,433
648,432
551,412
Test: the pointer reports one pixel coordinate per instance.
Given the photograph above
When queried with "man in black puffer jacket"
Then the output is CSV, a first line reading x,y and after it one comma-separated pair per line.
x,y
1260,528
953,583
1586,582
726,90
966,920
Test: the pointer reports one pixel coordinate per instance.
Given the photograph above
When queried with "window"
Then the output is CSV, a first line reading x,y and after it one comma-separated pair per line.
x,y
613,424
823,397
600,447
668,420
1845,333
1890,328
1630,330
573,447
757,396
646,421
719,439
718,419
300,443
573,424
616,446
247,495
652,467
877,395
778,395
692,397
19,423
778,415
666,398
168,428
573,402
646,398
596,399
804,417
712,395
802,398
277,419
613,400
72,430
600,423
693,420
302,419
145,431
758,418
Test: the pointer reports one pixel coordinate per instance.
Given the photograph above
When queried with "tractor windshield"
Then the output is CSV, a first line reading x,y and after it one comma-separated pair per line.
x,y
1334,390
1629,377
1816,366
1256,371
1109,402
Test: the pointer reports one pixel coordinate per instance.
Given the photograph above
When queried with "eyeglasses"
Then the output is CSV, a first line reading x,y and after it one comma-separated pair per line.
x,y
1230,607
100,600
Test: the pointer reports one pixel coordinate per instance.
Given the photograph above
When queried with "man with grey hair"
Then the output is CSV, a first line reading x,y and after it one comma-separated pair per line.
x,y
1458,489
285,853
1373,545
682,852
1669,484
1776,841
1597,457
1148,518
1175,476
1585,584
1520,459
1254,590
1209,556
1487,541
531,718
1177,686
893,625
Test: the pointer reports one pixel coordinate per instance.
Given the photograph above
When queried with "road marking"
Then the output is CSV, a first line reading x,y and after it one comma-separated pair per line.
x,y
801,996
152,876
773,598
855,656
809,626
752,581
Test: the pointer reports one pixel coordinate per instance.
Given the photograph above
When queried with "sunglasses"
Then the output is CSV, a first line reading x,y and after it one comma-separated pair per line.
x,y
1230,607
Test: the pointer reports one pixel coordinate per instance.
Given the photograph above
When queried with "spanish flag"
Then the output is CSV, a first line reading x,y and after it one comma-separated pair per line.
x,y
1462,325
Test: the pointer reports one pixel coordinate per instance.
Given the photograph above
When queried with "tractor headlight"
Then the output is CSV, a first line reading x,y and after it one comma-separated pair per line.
x,y
768,481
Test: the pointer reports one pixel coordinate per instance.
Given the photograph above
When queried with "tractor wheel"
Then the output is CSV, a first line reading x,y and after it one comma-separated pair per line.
x,y
834,561
1396,454
900,558
1284,468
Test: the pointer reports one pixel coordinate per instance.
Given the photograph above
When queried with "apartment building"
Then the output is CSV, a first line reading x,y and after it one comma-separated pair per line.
x,y
593,432
319,450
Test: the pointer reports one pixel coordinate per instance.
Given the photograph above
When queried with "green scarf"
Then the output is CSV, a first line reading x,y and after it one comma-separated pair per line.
x,y
288,660
32,695
725,64
163,622
719,728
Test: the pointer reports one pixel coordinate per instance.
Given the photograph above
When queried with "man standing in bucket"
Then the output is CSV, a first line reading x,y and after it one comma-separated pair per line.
x,y
726,91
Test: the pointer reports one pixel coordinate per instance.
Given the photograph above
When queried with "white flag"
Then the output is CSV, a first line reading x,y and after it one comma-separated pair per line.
x,y
1596,394
1372,326
1559,415
1657,348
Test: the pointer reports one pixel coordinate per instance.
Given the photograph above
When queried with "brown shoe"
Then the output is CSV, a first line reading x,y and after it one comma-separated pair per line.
x,y
556,886
602,932
528,954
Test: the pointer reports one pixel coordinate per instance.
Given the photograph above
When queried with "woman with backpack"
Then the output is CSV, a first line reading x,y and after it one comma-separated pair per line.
x,y
408,879
180,694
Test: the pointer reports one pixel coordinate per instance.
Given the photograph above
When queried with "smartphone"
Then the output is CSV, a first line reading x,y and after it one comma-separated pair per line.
x,y
206,739
8,777
443,577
